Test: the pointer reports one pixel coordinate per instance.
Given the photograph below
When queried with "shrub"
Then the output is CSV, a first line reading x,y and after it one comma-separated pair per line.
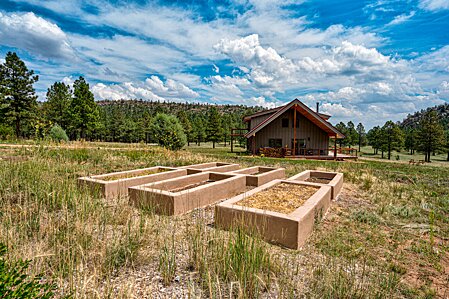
x,y
58,134
6,132
168,131
15,283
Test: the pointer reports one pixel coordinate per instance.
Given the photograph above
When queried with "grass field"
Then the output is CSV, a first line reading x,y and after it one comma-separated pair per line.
x,y
387,235
404,156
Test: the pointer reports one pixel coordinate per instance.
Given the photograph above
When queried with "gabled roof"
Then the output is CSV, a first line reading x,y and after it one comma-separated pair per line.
x,y
304,110
273,110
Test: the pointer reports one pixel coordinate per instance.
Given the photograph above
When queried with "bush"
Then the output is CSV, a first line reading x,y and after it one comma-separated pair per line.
x,y
168,131
58,134
6,132
15,283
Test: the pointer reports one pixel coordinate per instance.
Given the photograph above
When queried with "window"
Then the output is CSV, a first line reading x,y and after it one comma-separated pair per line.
x,y
275,142
301,143
285,122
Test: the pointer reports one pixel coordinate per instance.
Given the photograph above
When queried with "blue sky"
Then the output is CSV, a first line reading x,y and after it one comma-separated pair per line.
x,y
367,61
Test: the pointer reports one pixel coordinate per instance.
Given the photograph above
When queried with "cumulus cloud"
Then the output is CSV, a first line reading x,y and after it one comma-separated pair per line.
x,y
34,34
434,5
153,89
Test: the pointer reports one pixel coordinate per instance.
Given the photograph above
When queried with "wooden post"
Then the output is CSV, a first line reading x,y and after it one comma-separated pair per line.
x,y
254,144
232,143
294,130
335,147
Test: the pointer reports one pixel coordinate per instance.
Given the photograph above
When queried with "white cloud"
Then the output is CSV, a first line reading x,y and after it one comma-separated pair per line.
x,y
401,19
434,5
152,88
36,35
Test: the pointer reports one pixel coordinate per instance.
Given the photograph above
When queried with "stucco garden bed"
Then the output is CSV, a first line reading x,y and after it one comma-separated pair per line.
x,y
257,175
181,195
210,166
279,213
332,179
115,184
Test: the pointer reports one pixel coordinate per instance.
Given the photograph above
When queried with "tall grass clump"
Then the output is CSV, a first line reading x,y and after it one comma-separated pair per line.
x,y
350,279
236,259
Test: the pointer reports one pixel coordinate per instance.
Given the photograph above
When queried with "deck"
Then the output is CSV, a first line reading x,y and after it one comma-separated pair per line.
x,y
340,157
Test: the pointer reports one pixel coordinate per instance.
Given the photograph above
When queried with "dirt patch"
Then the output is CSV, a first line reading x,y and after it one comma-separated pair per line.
x,y
318,180
132,175
283,198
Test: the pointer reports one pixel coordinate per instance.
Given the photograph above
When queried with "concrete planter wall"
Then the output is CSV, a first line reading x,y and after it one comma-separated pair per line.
x,y
119,187
211,166
257,175
335,179
289,230
164,199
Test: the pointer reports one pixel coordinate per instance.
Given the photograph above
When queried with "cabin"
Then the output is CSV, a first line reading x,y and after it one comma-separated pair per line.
x,y
295,127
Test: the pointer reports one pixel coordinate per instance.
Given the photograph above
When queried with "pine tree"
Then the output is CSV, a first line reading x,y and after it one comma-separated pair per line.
x,y
56,108
374,138
168,132
83,110
392,138
352,136
16,84
410,140
361,135
344,130
187,126
430,134
214,129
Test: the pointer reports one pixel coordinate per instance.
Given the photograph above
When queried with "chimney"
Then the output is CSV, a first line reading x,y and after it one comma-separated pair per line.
x,y
317,107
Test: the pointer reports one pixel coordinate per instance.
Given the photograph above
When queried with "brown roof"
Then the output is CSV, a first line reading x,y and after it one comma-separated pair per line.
x,y
316,118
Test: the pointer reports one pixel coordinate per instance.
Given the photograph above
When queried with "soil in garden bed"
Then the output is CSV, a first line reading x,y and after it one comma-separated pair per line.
x,y
318,180
282,198
192,186
132,175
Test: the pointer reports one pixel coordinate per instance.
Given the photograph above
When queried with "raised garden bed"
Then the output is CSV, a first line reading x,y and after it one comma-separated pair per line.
x,y
282,212
210,166
115,184
257,175
181,195
320,178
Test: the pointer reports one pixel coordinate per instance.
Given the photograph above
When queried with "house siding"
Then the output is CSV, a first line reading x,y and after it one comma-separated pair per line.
x,y
319,139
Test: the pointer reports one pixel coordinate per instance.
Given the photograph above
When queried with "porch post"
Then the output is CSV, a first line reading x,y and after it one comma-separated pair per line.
x,y
254,144
294,130
335,147
232,139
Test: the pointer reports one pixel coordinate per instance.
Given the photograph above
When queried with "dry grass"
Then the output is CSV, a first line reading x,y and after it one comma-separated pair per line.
x,y
387,236
282,198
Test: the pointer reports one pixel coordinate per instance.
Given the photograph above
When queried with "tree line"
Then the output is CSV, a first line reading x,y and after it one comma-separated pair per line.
x,y
71,113
427,134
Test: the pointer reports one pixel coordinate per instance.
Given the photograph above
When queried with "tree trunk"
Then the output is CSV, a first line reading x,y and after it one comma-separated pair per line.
x,y
382,154
447,156
213,143
17,127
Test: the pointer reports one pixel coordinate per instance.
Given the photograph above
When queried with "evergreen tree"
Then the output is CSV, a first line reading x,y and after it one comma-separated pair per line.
x,y
199,132
361,135
187,126
447,144
352,136
214,129
56,108
410,142
168,132
344,130
392,138
374,138
430,134
84,112
16,84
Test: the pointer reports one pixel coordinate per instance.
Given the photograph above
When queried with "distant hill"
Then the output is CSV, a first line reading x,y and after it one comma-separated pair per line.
x,y
174,108
411,121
